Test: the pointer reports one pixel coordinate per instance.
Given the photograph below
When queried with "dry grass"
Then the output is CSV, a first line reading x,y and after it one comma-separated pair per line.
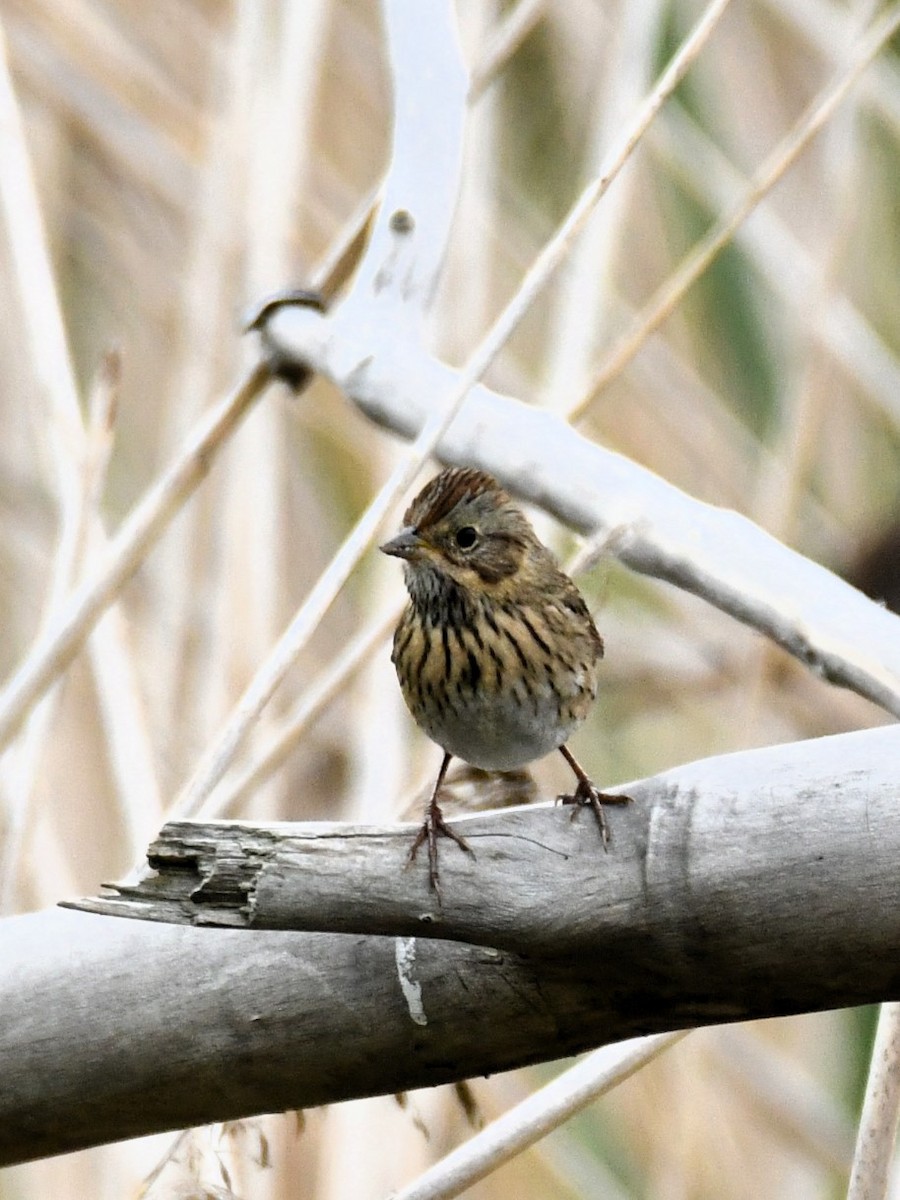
x,y
187,156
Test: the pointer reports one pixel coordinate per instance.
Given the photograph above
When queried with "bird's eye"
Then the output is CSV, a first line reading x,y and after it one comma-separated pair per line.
x,y
466,537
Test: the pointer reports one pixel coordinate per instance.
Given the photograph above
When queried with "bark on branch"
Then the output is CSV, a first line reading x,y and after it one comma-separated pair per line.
x,y
746,886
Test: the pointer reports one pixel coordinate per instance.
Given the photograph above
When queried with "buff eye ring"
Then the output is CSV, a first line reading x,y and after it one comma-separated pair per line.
x,y
466,537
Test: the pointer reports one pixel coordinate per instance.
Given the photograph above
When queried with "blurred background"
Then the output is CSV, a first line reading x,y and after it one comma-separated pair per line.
x,y
186,157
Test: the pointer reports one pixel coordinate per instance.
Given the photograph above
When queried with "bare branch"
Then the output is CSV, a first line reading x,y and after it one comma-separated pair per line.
x,y
539,883
738,887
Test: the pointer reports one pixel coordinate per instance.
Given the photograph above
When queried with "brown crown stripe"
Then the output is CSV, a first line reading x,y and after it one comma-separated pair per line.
x,y
444,492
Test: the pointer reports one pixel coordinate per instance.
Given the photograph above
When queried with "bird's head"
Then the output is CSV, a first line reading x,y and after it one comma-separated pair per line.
x,y
463,526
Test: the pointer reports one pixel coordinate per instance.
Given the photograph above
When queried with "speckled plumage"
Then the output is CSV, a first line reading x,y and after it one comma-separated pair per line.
x,y
496,653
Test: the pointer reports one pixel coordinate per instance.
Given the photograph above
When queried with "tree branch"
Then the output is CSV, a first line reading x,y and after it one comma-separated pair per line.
x,y
729,845
739,887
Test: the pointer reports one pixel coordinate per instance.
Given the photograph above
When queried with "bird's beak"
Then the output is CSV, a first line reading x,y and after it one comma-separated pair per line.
x,y
407,544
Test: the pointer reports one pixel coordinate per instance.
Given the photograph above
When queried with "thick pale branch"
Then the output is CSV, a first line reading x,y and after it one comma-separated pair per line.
x,y
751,885
757,849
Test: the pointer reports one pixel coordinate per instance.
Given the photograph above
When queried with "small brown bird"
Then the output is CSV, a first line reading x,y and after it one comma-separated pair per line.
x,y
496,653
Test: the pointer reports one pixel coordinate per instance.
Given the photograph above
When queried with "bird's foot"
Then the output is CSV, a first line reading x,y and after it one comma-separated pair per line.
x,y
588,795
433,825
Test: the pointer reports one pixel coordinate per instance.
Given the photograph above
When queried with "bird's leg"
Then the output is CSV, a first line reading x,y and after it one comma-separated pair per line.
x,y
587,793
434,824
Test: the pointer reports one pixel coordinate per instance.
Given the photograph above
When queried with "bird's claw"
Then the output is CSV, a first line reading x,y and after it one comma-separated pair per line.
x,y
587,795
434,824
